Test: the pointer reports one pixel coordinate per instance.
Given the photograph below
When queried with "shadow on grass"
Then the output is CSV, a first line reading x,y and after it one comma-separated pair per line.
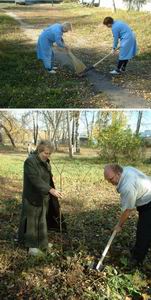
x,y
24,82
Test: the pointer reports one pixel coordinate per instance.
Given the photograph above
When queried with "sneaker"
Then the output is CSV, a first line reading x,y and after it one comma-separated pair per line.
x,y
55,68
114,72
52,72
35,252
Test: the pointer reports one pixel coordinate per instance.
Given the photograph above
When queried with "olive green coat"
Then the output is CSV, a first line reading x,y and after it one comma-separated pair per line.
x,y
36,185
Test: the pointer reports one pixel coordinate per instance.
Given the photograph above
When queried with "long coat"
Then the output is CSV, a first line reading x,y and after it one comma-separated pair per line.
x,y
128,46
50,35
40,210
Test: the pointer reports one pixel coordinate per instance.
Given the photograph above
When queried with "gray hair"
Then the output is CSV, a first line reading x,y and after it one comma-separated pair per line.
x,y
116,168
45,144
67,26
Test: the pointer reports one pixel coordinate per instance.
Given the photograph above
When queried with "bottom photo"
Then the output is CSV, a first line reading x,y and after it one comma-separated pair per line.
x,y
75,204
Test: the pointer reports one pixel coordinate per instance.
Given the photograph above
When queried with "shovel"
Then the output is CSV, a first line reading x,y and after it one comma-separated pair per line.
x,y
99,266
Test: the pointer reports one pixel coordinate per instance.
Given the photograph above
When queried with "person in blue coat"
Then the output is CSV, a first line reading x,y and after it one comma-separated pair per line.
x,y
50,35
128,46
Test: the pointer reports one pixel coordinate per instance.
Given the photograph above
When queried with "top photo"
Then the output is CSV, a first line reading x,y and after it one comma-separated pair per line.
x,y
75,54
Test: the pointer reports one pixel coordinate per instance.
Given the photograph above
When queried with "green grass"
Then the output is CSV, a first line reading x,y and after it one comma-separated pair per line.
x,y
91,208
24,83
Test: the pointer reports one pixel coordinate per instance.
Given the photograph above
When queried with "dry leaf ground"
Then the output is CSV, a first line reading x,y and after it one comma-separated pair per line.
x,y
25,84
91,208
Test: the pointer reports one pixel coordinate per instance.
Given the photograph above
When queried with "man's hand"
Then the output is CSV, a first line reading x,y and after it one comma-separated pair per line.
x,y
55,193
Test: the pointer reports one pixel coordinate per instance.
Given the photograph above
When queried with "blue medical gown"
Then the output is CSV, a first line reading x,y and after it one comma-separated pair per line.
x,y
50,35
128,46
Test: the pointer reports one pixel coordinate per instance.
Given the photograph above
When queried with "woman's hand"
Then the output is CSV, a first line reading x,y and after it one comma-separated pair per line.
x,y
66,48
113,51
55,193
118,228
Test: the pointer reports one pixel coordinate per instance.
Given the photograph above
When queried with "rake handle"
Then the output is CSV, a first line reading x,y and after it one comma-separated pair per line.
x,y
106,249
97,63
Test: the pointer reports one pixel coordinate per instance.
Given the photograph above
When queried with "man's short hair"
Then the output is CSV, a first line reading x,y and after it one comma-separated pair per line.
x,y
116,168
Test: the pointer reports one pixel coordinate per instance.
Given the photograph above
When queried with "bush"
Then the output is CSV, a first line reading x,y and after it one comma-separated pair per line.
x,y
116,142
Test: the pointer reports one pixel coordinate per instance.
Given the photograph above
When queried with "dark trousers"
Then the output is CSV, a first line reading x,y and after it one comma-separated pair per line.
x,y
122,65
143,234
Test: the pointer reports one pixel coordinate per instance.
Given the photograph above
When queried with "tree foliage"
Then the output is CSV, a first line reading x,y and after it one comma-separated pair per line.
x,y
116,142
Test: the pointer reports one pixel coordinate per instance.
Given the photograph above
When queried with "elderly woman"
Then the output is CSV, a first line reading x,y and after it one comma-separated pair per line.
x,y
128,47
49,36
40,207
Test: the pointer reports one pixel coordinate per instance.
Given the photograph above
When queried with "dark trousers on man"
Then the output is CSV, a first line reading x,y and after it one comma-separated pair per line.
x,y
143,234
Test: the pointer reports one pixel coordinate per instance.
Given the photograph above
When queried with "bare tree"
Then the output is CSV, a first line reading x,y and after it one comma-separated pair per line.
x,y
31,119
7,124
52,120
135,4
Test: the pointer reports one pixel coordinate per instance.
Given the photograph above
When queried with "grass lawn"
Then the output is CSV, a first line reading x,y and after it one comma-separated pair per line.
x,y
91,208
25,84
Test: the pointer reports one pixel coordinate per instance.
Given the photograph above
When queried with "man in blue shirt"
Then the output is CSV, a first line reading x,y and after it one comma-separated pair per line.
x,y
128,47
135,192
50,35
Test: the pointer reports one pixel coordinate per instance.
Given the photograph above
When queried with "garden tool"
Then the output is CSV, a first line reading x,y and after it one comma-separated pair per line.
x,y
99,265
79,66
96,64
69,59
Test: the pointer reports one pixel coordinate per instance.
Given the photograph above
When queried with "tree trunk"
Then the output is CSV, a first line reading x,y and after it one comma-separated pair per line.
x,y
69,135
35,126
1,138
77,138
139,119
9,135
92,124
114,6
130,5
87,124
73,132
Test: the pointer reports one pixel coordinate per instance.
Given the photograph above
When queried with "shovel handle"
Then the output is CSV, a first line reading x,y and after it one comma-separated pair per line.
x,y
106,249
